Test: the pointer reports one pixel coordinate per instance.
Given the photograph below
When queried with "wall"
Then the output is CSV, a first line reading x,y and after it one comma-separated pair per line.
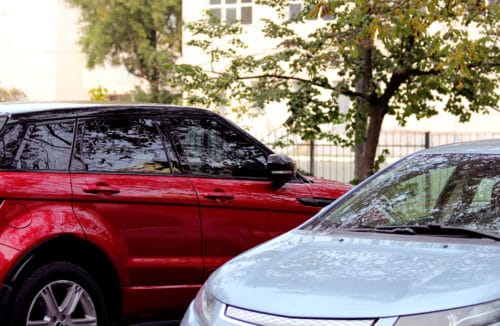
x,y
276,114
39,53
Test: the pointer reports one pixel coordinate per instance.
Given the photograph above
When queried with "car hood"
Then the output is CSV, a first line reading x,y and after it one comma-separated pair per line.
x,y
327,189
329,182
356,276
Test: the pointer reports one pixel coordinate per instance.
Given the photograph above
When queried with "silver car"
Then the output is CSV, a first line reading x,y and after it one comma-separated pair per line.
x,y
416,244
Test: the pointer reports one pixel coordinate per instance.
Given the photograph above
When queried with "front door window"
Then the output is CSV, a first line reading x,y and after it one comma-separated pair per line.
x,y
210,148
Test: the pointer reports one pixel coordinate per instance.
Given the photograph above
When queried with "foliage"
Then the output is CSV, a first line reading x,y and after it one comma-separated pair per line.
x,y
143,36
395,58
139,95
11,94
380,160
99,94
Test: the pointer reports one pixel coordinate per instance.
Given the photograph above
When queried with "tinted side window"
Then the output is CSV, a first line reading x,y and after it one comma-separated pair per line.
x,y
37,147
120,145
10,140
210,148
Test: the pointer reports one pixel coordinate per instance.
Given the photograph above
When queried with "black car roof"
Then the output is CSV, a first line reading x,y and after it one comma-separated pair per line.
x,y
34,110
39,111
9,108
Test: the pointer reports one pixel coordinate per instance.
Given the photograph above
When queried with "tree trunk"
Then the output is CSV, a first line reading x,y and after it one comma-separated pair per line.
x,y
362,87
377,114
359,152
359,133
154,89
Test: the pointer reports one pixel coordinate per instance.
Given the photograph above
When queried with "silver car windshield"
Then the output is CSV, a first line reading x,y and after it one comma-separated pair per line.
x,y
455,190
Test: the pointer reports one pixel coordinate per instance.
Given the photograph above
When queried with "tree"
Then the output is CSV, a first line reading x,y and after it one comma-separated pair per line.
x,y
99,94
11,94
143,36
395,58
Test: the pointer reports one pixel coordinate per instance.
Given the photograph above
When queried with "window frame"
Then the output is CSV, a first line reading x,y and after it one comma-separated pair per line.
x,y
295,4
302,5
177,146
238,6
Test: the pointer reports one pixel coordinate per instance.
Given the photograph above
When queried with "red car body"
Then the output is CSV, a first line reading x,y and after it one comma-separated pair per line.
x,y
147,239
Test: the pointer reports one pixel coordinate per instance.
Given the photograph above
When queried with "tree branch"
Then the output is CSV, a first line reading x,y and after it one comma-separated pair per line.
x,y
399,78
304,80
354,94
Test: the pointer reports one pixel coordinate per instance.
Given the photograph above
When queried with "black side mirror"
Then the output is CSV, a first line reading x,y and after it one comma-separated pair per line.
x,y
281,169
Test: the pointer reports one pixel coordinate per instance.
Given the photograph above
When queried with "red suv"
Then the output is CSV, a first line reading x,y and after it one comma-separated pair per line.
x,y
118,213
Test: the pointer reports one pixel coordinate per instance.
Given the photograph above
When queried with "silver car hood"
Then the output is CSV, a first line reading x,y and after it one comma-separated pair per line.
x,y
359,275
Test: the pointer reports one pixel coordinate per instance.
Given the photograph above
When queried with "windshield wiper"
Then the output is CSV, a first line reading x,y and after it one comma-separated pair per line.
x,y
429,229
392,229
439,229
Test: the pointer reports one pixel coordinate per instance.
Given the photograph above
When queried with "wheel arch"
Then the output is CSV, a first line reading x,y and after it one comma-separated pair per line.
x,y
75,250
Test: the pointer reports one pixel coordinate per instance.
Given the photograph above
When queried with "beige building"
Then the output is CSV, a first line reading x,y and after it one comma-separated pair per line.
x,y
251,14
39,53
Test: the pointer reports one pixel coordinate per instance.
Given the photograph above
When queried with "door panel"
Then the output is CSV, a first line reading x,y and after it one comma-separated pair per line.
x,y
239,206
239,214
123,178
35,183
156,219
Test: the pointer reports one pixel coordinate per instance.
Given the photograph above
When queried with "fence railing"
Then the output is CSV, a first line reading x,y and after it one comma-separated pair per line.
x,y
326,160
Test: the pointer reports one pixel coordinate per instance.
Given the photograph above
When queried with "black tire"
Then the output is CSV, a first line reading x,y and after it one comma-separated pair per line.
x,y
43,296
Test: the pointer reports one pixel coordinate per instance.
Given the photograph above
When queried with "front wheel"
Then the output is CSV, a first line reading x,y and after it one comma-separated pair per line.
x,y
59,294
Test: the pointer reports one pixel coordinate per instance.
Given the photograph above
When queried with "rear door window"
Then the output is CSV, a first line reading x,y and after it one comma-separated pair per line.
x,y
125,144
45,146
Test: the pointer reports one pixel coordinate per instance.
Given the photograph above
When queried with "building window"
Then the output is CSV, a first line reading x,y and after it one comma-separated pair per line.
x,y
295,8
231,11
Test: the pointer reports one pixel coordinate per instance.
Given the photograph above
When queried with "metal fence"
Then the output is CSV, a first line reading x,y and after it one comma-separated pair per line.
x,y
325,160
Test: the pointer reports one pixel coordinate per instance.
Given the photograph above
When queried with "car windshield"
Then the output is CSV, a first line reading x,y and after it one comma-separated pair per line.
x,y
449,190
